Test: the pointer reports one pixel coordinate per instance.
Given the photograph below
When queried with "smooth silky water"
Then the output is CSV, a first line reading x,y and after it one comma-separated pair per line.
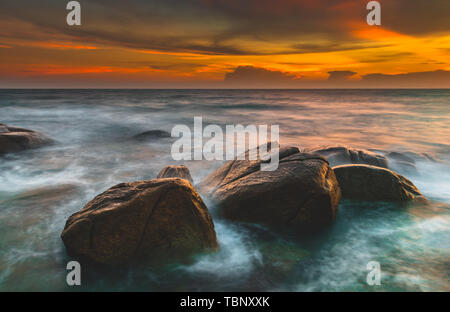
x,y
40,189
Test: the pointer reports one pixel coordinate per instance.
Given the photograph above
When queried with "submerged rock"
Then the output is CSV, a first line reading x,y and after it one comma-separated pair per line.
x,y
401,162
152,135
340,155
37,204
154,222
397,156
13,139
406,161
364,182
301,195
175,171
406,156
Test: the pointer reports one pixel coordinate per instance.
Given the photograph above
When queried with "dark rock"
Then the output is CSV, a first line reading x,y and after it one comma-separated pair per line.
x,y
178,171
404,162
370,183
301,195
403,167
43,197
401,163
13,139
396,156
340,155
152,135
3,128
407,156
153,222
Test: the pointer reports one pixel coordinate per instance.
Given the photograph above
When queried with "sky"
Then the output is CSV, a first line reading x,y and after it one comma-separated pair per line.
x,y
225,44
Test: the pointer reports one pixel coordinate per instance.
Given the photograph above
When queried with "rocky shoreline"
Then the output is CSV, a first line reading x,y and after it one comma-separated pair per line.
x,y
300,197
165,220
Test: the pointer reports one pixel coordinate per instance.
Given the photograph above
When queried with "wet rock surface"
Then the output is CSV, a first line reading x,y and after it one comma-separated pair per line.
x,y
175,171
14,139
364,182
151,222
341,155
301,195
152,135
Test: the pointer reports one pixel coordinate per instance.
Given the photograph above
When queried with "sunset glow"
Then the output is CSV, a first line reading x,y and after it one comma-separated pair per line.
x,y
196,43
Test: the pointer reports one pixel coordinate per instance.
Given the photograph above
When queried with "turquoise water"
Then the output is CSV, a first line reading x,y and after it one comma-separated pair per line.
x,y
39,189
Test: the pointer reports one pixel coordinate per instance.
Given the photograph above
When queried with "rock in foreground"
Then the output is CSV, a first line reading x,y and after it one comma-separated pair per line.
x,y
364,182
178,171
301,195
13,139
340,155
153,222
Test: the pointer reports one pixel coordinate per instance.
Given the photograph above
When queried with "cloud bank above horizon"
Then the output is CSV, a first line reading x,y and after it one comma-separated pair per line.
x,y
253,77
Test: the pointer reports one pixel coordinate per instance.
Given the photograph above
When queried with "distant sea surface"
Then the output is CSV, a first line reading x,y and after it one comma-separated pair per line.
x,y
40,189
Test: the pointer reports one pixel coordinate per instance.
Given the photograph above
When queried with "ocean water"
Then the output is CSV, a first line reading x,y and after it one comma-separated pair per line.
x,y
40,189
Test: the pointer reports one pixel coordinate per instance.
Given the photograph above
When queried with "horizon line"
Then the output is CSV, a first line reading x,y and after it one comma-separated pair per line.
x,y
168,88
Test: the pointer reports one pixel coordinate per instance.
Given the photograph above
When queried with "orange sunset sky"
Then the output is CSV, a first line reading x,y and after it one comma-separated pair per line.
x,y
224,43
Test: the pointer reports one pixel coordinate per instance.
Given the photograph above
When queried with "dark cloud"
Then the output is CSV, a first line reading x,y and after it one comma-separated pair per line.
x,y
340,75
429,79
213,26
250,77
331,47
416,17
384,57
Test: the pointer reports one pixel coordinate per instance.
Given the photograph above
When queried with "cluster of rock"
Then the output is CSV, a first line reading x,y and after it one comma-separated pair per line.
x,y
365,175
165,220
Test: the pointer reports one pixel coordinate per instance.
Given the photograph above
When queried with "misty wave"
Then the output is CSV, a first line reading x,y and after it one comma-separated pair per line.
x,y
39,189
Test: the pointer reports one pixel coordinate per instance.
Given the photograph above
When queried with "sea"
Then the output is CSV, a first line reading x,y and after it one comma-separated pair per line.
x,y
94,150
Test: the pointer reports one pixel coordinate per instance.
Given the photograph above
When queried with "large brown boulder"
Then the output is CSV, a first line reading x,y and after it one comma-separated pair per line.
x,y
13,139
301,195
175,171
153,222
364,182
341,155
